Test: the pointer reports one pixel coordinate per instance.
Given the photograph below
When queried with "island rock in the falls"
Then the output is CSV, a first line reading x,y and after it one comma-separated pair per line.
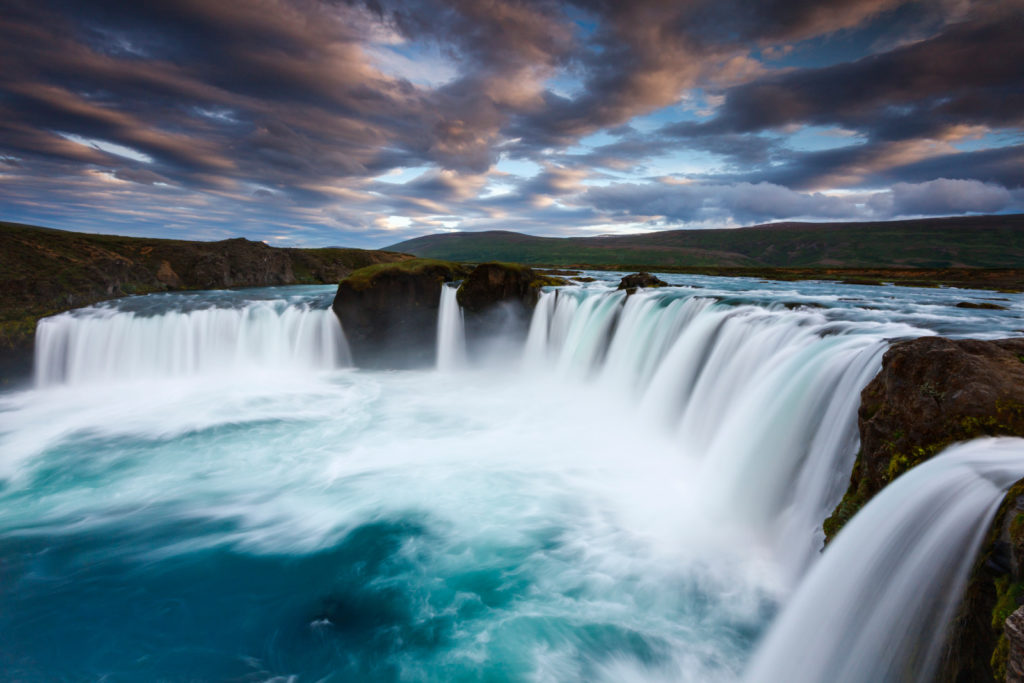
x,y
389,311
641,279
490,284
932,392
498,299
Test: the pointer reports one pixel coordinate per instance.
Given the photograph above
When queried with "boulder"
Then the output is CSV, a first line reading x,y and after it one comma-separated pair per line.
x,y
389,311
641,279
498,300
493,283
932,392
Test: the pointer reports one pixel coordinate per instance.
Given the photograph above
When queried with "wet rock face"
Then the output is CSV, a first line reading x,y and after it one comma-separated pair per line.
x,y
631,282
493,283
1014,629
389,312
932,392
498,299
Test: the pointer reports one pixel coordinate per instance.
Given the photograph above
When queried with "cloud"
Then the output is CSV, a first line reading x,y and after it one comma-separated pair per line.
x,y
748,203
280,114
945,196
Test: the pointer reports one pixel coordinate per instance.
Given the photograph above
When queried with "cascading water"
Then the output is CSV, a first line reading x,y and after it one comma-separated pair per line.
x,y
106,344
877,605
630,497
451,335
761,398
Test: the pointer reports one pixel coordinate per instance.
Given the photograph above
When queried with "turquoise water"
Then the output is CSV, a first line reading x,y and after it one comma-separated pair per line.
x,y
254,512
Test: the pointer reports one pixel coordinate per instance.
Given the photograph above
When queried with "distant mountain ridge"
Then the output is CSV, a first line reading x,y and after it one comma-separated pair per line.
x,y
960,242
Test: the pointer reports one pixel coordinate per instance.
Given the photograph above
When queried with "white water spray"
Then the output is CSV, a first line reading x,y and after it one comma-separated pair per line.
x,y
875,608
764,399
451,334
105,344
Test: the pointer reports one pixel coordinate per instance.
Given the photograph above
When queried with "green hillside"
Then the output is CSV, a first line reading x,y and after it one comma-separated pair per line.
x,y
962,242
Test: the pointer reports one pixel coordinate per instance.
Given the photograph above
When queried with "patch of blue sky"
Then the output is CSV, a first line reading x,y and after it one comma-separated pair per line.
x,y
684,162
884,32
517,167
688,111
586,22
818,138
420,64
109,147
589,142
991,140
565,85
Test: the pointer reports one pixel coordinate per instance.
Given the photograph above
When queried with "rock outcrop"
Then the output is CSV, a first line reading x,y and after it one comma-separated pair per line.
x,y
932,392
641,279
1014,629
498,299
492,283
389,311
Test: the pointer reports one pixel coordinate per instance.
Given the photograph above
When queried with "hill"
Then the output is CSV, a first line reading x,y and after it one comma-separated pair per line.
x,y
962,242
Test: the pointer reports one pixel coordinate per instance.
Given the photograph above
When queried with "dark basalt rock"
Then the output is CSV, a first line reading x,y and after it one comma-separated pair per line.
x,y
497,299
642,279
389,311
1014,629
493,283
930,393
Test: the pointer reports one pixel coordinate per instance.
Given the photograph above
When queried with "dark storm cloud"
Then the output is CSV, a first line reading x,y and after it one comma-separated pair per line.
x,y
644,53
971,74
967,80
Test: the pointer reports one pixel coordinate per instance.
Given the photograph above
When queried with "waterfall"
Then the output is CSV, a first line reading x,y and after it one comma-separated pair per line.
x,y
875,607
106,344
451,334
764,399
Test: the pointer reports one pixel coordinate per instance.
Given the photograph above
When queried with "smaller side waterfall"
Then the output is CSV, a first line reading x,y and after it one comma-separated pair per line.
x,y
100,344
451,333
876,607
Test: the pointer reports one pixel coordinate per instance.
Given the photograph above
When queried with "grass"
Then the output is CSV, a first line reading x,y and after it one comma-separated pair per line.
x,y
969,242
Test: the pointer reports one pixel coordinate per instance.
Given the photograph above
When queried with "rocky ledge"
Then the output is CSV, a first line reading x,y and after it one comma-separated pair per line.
x,y
389,311
493,283
641,279
932,392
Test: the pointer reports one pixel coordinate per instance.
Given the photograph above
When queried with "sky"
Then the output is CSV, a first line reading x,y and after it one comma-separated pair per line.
x,y
364,123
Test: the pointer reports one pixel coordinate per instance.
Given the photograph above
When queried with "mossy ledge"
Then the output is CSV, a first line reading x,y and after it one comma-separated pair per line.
x,y
932,392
